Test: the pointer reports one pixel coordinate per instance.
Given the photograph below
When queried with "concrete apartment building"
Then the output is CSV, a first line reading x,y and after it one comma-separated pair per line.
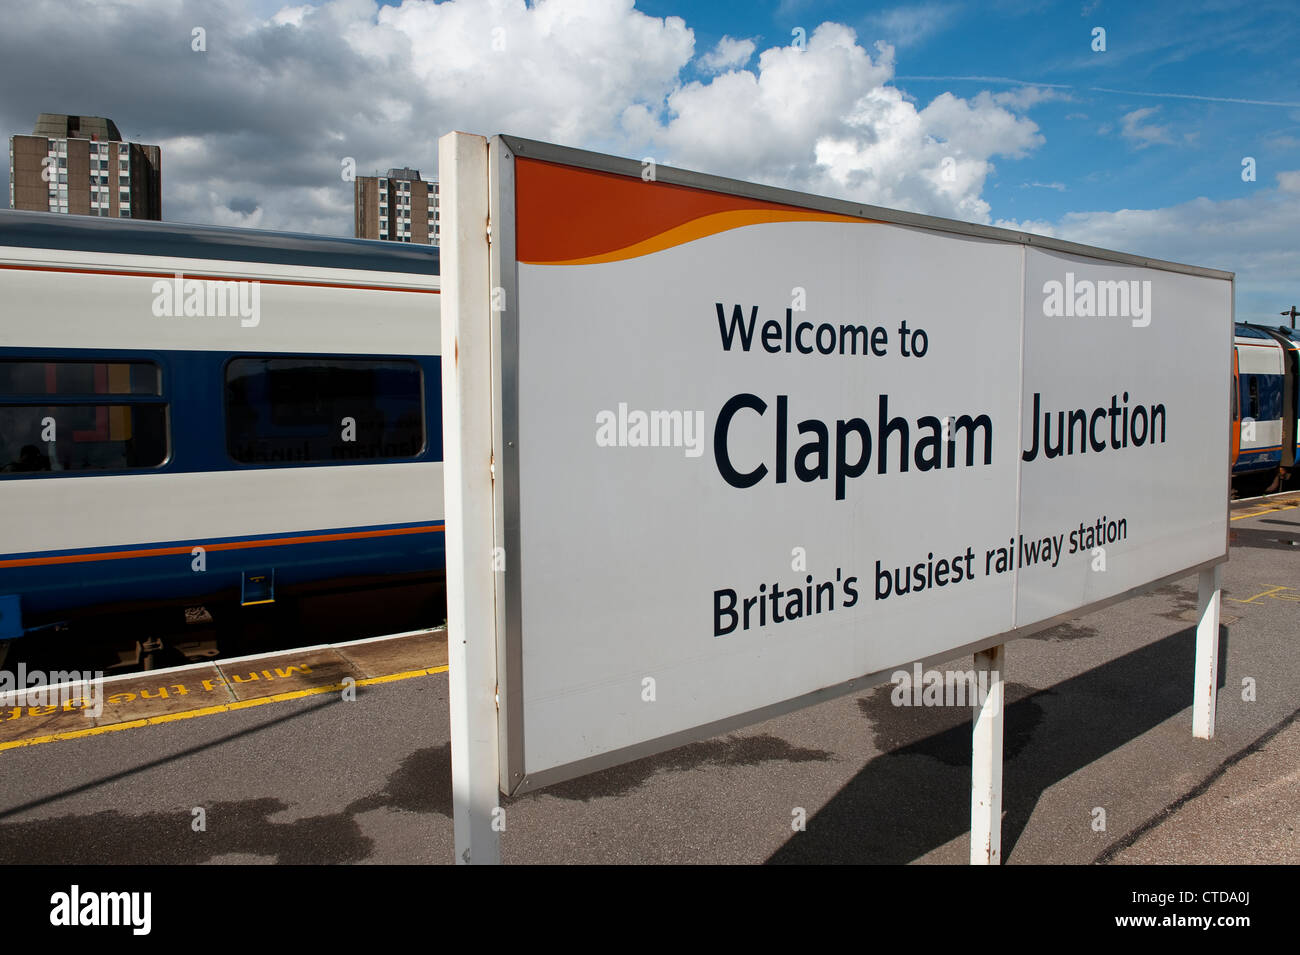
x,y
81,165
399,207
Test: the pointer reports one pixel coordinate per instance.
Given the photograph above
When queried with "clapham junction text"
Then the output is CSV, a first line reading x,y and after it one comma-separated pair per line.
x,y
845,449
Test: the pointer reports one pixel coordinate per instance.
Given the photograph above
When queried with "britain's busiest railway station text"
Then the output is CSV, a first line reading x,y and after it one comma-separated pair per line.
x,y
778,603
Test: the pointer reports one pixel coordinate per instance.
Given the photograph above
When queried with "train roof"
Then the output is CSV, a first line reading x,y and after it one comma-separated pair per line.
x,y
52,230
1250,331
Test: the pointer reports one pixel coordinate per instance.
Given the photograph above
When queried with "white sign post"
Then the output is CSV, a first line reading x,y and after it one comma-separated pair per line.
x,y
747,449
986,759
467,490
1204,699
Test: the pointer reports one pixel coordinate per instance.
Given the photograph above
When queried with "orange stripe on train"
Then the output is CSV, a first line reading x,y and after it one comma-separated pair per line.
x,y
212,277
227,545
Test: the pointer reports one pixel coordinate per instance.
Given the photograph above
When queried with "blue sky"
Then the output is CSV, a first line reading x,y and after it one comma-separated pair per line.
x,y
993,112
1156,53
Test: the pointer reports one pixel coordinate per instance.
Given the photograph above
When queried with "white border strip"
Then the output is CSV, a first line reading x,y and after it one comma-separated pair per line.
x,y
8,697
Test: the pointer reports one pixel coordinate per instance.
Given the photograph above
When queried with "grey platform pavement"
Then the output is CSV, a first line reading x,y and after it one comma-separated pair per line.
x,y
1101,765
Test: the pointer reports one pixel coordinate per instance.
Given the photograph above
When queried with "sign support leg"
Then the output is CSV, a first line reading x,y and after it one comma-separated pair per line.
x,y
467,493
986,759
1205,696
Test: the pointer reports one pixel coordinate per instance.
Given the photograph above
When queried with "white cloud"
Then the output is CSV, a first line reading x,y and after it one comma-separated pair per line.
x,y
910,25
1027,96
1257,237
562,69
826,120
1132,127
291,16
224,215
729,54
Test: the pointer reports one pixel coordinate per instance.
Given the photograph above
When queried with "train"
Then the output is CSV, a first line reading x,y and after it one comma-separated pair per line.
x,y
1266,399
198,417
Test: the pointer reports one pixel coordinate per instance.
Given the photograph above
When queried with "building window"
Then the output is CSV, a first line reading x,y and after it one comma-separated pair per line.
x,y
41,432
293,410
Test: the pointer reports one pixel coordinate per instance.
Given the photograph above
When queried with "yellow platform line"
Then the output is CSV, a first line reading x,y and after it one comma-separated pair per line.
x,y
220,708
1267,510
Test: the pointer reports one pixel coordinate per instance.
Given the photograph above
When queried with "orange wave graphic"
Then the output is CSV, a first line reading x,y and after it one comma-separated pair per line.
x,y
568,215
701,228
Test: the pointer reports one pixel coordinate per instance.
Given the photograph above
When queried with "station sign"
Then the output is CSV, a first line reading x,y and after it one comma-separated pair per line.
x,y
756,448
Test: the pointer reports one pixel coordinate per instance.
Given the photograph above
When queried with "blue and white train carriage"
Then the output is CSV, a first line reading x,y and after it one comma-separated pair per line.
x,y
1268,399
192,415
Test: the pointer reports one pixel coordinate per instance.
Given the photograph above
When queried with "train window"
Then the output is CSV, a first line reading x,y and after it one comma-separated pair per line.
x,y
23,377
82,437
1254,396
323,409
70,416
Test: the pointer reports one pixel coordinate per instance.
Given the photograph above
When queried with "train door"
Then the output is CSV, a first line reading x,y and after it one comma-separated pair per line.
x,y
1236,407
1290,370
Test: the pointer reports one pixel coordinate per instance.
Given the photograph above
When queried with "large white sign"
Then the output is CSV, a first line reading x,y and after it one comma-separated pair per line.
x,y
756,451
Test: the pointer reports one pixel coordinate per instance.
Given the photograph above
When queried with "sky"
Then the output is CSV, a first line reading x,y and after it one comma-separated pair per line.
x,y
1167,129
